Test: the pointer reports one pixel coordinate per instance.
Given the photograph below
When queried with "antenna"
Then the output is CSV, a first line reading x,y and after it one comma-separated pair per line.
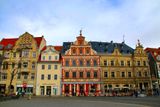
x,y
123,38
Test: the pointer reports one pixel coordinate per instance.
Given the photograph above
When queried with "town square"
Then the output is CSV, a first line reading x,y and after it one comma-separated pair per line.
x,y
95,53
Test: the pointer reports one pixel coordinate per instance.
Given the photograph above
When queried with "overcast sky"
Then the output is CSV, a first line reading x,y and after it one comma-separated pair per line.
x,y
101,20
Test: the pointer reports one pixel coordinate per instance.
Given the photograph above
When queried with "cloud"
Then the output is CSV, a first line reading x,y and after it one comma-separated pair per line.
x,y
101,20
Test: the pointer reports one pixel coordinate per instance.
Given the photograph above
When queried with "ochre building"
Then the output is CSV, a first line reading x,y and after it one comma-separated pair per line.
x,y
19,65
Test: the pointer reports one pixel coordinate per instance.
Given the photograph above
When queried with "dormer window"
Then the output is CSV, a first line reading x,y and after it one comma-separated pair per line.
x,y
50,58
43,58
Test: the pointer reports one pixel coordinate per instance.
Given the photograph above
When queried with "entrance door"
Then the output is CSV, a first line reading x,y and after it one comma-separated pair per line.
x,y
48,90
42,90
74,87
55,91
81,88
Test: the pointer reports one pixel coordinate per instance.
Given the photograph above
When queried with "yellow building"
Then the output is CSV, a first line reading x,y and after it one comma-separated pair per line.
x,y
123,68
20,62
49,72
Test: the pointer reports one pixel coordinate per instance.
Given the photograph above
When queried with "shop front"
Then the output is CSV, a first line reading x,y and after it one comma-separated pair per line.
x,y
24,89
2,88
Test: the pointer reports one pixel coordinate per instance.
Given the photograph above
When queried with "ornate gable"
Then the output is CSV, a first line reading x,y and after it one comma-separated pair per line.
x,y
26,41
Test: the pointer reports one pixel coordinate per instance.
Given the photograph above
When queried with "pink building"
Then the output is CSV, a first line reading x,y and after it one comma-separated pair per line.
x,y
81,73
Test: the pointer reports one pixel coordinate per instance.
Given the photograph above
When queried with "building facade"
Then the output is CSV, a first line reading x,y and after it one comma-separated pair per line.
x,y
49,72
19,66
123,68
154,61
80,69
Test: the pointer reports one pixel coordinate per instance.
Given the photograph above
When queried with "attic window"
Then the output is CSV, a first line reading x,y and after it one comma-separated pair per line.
x,y
1,46
9,46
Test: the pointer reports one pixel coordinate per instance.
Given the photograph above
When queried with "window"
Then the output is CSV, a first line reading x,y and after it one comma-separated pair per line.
x,y
80,62
14,54
55,77
95,62
33,65
56,57
32,76
43,66
112,63
88,63
105,62
19,65
67,63
73,63
13,65
144,63
19,76
74,74
122,63
25,76
88,74
25,53
129,74
55,66
50,58
81,74
67,74
145,74
87,51
49,66
95,74
80,51
139,74
4,76
5,65
74,51
106,74
138,63
42,77
49,77
34,54
43,58
112,74
123,74
128,63
25,64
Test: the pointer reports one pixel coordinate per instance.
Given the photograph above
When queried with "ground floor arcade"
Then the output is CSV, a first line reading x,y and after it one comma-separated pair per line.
x,y
81,89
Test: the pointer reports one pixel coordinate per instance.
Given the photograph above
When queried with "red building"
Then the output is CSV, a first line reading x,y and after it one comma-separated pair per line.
x,y
81,73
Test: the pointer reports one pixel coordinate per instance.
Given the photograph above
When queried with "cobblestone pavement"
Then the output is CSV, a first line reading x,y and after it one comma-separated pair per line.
x,y
83,102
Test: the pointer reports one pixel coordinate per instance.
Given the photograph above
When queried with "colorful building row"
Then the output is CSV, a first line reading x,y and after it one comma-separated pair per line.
x,y
79,68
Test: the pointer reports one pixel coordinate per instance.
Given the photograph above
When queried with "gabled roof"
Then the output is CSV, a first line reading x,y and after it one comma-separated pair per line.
x,y
8,41
103,47
58,48
11,41
154,52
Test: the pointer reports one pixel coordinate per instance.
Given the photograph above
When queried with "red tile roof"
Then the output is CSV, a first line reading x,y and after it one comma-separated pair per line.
x,y
154,52
12,41
58,48
38,40
6,41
